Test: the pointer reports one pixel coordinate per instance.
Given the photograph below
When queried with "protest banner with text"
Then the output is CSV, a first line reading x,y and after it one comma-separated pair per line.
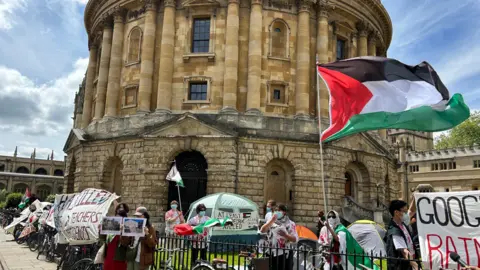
x,y
78,216
448,222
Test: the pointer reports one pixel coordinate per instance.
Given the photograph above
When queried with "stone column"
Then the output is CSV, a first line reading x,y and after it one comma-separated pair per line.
x,y
103,72
303,60
254,58
146,66
115,70
353,45
362,38
322,51
164,97
372,45
230,78
87,101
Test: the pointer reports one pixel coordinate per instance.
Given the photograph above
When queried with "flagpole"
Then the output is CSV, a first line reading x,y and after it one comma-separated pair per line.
x,y
320,137
179,198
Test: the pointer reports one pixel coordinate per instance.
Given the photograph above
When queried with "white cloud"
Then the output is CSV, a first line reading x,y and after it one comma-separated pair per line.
x,y
44,109
7,12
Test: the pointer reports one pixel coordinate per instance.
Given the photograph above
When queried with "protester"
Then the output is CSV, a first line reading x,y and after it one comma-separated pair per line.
x,y
282,235
399,243
335,240
116,245
174,217
143,247
199,244
270,205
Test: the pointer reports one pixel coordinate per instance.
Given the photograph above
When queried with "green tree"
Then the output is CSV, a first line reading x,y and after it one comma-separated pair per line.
x,y
50,198
3,195
465,134
13,200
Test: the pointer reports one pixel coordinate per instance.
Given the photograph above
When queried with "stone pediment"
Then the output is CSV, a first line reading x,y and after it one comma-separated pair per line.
x,y
197,3
189,125
363,142
75,137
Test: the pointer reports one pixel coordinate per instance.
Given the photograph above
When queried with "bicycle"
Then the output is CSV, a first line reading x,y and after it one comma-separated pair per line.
x,y
250,257
47,247
216,264
85,264
166,265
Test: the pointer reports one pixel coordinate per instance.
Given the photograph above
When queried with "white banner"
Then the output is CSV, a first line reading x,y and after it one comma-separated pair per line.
x,y
448,222
78,216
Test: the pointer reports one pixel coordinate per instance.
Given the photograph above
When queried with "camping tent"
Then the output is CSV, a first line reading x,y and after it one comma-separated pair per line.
x,y
369,236
242,211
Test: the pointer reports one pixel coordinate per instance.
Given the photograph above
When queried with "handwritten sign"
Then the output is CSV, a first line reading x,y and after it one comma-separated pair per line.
x,y
241,221
77,216
448,222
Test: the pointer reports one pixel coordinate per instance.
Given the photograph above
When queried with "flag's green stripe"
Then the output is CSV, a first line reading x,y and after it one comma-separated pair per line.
x,y
354,248
210,223
180,183
423,118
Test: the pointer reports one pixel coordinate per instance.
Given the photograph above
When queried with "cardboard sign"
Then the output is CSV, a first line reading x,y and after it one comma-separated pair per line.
x,y
448,222
241,221
78,216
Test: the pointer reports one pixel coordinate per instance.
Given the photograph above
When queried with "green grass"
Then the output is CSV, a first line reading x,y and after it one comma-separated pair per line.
x,y
232,259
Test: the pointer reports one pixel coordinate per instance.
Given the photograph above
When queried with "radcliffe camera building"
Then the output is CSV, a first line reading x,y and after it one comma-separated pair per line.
x,y
227,89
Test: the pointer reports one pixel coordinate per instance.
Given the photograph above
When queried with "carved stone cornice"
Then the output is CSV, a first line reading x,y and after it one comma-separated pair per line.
x,y
150,4
118,14
324,8
373,37
363,28
304,5
169,3
353,37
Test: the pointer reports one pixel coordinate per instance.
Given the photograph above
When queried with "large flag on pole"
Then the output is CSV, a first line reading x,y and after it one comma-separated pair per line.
x,y
174,175
369,93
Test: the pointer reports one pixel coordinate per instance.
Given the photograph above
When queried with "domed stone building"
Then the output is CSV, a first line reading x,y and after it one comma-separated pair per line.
x,y
227,90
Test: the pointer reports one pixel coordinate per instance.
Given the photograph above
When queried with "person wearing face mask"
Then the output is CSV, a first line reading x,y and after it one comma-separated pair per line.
x,y
199,244
174,217
282,235
399,241
270,205
116,245
143,247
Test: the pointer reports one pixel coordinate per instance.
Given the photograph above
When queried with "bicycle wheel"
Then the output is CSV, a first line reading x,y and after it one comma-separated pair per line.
x,y
33,242
82,264
203,267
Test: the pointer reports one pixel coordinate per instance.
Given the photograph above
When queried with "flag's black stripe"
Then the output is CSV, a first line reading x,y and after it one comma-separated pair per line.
x,y
369,68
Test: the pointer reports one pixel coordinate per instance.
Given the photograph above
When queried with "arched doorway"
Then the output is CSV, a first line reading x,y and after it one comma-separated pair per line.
x,y
22,169
112,176
278,183
192,166
43,191
349,185
71,176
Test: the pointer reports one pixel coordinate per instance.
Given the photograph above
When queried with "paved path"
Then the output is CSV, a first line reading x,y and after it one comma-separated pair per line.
x,y
19,257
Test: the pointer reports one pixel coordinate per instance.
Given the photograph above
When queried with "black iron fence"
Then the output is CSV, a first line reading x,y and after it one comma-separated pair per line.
x,y
188,253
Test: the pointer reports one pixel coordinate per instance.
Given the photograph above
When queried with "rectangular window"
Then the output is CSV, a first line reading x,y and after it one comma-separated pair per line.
x,y
452,165
476,164
433,167
130,96
340,49
197,91
414,168
277,95
201,35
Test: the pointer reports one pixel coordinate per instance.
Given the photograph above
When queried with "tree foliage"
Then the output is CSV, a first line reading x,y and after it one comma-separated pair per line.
x,y
13,200
50,198
465,134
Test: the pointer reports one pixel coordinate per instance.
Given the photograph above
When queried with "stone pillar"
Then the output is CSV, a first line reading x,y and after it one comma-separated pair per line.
x,y
103,72
362,39
303,60
146,66
164,97
115,70
87,101
372,45
230,78
322,51
254,58
353,45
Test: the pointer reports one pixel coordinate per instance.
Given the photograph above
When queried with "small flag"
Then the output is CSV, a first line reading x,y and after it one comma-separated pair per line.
x,y
25,198
370,93
186,229
174,175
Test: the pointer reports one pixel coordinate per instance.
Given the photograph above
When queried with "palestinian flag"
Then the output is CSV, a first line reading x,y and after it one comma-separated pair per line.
x,y
369,93
186,229
174,175
358,256
25,199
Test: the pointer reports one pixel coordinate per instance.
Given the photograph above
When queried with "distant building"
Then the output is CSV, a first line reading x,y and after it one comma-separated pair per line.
x,y
42,176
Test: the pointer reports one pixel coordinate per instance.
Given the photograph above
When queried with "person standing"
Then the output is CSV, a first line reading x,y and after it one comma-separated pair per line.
x,y
199,244
174,217
143,247
270,205
116,245
399,241
282,235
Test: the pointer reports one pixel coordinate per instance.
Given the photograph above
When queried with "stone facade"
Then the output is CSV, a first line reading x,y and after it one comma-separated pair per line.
x,y
42,176
254,128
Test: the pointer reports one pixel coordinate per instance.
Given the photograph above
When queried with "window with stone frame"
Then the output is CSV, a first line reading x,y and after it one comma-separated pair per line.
x,y
341,49
134,45
476,164
198,91
201,35
130,96
277,93
279,39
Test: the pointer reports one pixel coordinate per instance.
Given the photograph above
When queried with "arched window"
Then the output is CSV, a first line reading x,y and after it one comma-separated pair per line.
x,y
41,171
2,167
20,188
134,45
279,39
22,169
43,191
58,172
349,185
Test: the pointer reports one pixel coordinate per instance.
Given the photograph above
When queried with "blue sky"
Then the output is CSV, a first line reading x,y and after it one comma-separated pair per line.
x,y
43,58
